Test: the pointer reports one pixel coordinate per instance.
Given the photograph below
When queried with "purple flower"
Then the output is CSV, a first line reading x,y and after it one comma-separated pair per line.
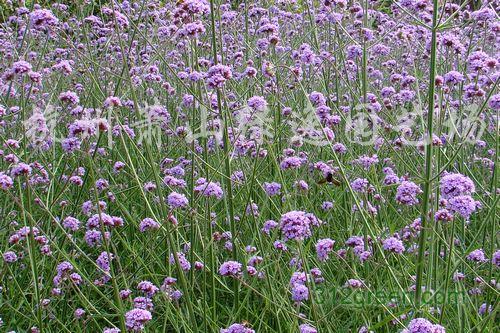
x,y
71,144
64,267
326,205
231,268
209,189
272,188
390,176
463,205
124,294
454,78
354,284
291,162
9,257
483,14
296,225
148,288
407,192
148,224
183,262
217,76
69,97
455,184
495,260
94,237
443,215
393,244
323,248
20,169
174,182
317,98
103,261
144,303
360,185
21,67
136,319
484,308
301,185
257,103
111,330
300,293
41,19
79,313
477,256
366,161
305,328
494,102
237,328
177,200
5,181
268,226
421,325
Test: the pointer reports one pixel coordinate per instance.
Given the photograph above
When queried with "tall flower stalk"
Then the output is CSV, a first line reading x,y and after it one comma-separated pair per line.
x,y
227,164
428,159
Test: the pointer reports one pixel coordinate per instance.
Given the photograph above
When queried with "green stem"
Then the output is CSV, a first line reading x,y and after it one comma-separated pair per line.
x,y
227,165
428,161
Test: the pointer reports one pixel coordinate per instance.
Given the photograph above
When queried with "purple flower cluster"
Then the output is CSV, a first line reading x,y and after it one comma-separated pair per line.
x,y
208,188
455,184
393,244
231,268
297,225
136,319
237,328
407,192
421,325
148,224
457,189
305,328
177,200
323,248
272,188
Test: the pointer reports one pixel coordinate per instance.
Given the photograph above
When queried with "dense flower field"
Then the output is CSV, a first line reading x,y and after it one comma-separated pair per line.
x,y
249,166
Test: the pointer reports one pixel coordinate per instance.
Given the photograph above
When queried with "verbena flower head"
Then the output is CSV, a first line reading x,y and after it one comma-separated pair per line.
x,y
272,188
360,185
257,103
393,244
136,319
111,330
463,205
305,328
407,192
494,102
300,292
148,288
148,224
9,257
495,260
218,75
421,325
237,328
177,200
477,256
5,181
323,248
42,19
209,189
231,268
183,262
455,184
296,225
